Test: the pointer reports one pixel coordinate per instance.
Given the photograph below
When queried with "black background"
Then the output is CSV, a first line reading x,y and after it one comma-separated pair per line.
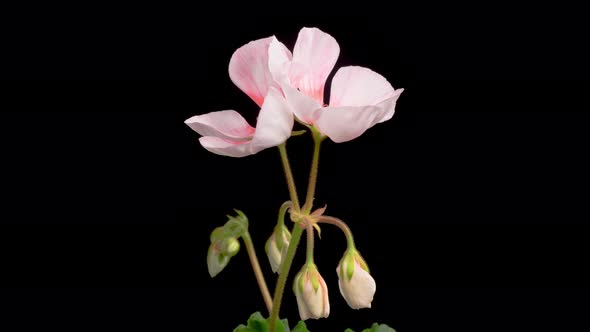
x,y
470,205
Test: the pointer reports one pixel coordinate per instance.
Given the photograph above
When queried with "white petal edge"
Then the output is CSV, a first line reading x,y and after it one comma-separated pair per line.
x,y
359,86
279,61
274,124
346,123
301,105
227,124
226,147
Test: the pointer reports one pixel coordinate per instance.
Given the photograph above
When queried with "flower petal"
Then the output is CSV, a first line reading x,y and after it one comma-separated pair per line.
x,y
226,147
359,86
301,105
279,61
248,69
360,290
314,56
224,124
275,122
346,123
304,314
388,105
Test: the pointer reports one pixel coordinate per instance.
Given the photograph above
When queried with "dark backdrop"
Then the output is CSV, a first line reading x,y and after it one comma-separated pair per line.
x,y
470,205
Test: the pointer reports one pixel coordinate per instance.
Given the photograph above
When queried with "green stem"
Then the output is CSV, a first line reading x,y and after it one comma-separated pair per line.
x,y
342,225
289,176
282,211
313,173
310,239
257,271
283,274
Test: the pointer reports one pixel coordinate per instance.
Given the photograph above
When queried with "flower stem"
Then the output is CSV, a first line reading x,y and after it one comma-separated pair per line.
x,y
289,176
283,274
284,207
257,271
313,174
310,239
342,225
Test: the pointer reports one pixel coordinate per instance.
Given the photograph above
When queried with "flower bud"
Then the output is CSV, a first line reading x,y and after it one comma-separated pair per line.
x,y
276,246
229,246
356,284
216,261
311,293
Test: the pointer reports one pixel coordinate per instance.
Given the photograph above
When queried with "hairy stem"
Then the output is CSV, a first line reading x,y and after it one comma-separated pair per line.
x,y
257,271
313,173
283,274
342,225
289,176
284,207
310,238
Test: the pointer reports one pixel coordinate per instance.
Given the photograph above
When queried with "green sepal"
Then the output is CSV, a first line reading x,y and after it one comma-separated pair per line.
x,y
236,226
217,234
299,281
298,132
266,245
281,232
314,277
349,265
361,261
230,246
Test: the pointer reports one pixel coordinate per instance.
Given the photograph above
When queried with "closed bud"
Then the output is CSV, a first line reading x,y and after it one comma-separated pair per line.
x,y
276,246
229,246
216,261
311,293
356,284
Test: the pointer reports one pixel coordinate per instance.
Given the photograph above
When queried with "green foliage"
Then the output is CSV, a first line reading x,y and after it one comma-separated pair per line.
x,y
257,323
375,328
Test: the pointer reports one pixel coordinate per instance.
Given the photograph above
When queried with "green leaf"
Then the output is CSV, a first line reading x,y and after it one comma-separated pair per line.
x,y
300,327
257,323
379,328
242,328
349,330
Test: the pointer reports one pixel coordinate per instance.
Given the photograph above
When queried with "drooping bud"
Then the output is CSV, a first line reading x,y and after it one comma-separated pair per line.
x,y
311,293
276,246
216,261
356,285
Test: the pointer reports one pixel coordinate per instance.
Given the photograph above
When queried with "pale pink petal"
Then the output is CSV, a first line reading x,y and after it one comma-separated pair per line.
x,y
302,106
248,69
359,86
226,147
314,56
346,123
274,124
303,312
224,124
388,105
279,61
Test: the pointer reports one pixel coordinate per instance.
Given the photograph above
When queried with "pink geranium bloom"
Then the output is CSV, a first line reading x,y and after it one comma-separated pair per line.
x,y
359,98
227,133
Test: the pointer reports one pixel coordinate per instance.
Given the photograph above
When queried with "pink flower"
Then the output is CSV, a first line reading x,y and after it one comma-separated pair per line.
x,y
359,97
227,133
